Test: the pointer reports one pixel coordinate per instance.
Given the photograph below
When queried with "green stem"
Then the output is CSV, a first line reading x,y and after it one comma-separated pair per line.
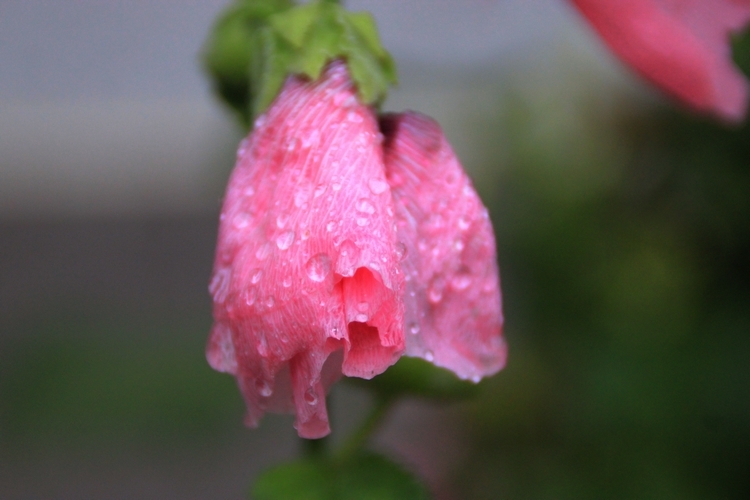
x,y
357,440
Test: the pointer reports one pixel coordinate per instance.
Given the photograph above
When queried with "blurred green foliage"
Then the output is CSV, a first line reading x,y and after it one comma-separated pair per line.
x,y
364,476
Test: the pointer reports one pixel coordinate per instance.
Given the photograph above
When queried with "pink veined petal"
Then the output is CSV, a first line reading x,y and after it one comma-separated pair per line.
x,y
453,306
306,282
680,45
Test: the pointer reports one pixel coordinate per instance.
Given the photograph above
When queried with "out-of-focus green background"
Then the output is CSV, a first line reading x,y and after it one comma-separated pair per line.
x,y
623,229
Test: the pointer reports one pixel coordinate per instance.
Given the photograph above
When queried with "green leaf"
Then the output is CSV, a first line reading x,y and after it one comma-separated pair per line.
x,y
416,377
303,480
363,477
374,477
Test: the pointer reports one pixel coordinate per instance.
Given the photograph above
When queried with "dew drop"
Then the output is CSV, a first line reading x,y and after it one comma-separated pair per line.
x,y
463,223
287,282
377,185
363,205
250,297
458,245
263,388
461,281
354,117
331,226
429,356
435,295
292,144
260,121
336,186
282,220
318,267
310,397
362,221
241,220
220,284
414,328
255,275
476,379
270,301
311,140
400,251
285,240
362,318
319,190
263,347
300,197
249,191
242,149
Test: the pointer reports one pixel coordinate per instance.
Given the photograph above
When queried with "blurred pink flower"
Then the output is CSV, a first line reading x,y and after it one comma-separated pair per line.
x,y
340,249
682,46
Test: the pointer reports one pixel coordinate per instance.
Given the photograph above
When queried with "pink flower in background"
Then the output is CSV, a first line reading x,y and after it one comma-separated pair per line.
x,y
682,46
339,250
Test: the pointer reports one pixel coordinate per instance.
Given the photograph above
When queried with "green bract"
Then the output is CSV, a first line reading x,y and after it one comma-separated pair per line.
x,y
256,44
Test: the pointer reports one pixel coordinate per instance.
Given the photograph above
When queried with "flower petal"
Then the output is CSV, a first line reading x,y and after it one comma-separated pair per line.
x,y
680,45
453,307
306,263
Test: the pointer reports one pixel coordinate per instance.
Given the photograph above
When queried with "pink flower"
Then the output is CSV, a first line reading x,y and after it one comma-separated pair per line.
x,y
334,242
682,46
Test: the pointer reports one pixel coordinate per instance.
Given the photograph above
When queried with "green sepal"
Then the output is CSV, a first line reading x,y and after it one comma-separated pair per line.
x,y
365,476
416,377
256,44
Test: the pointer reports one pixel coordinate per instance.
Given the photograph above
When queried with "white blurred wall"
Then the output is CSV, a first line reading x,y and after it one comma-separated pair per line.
x,y
104,110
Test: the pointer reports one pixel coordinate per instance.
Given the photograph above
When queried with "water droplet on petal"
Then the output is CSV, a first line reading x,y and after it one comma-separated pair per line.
x,y
458,245
318,267
414,328
463,223
250,296
263,347
249,191
263,388
319,190
362,318
377,185
362,221
255,275
243,147
435,293
241,220
429,356
364,205
300,197
220,284
270,301
311,140
400,251
476,379
287,282
354,117
461,281
330,226
282,220
260,121
336,186
311,397
285,240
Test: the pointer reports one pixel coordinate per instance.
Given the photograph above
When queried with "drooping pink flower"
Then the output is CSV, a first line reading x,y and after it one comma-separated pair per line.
x,y
681,46
309,278
453,312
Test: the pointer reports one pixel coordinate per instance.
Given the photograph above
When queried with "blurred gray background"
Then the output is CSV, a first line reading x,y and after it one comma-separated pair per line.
x,y
624,264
